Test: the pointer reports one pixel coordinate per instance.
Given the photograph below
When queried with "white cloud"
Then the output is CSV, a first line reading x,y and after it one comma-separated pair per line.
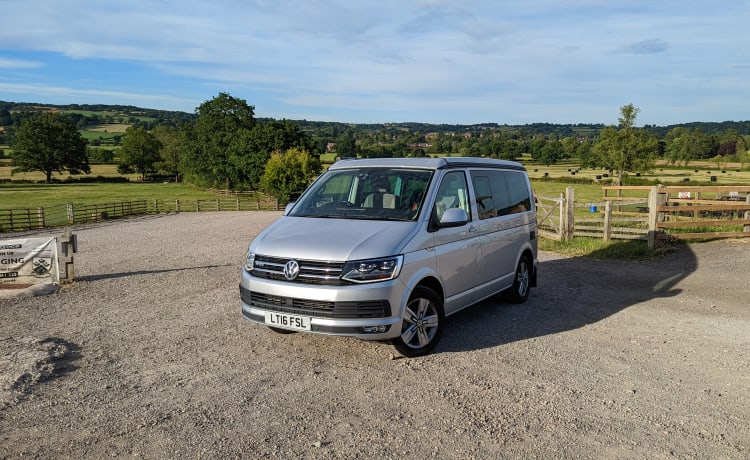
x,y
483,60
18,64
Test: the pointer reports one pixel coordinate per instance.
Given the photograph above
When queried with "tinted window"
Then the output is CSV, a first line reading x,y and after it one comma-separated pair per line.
x,y
499,193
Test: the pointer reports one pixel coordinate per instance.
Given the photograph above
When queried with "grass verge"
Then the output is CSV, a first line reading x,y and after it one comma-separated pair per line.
x,y
595,248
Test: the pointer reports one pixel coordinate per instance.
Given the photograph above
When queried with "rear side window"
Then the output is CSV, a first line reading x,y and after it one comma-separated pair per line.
x,y
499,193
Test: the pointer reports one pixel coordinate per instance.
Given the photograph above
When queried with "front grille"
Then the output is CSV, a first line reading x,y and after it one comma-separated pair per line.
x,y
310,271
318,308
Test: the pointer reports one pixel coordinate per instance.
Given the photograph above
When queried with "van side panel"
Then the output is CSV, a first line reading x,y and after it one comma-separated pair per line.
x,y
505,217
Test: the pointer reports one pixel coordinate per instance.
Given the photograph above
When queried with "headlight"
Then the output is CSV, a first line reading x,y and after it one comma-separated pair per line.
x,y
250,260
370,271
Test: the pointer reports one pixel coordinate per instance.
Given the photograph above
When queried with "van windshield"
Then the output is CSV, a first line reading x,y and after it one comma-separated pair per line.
x,y
366,193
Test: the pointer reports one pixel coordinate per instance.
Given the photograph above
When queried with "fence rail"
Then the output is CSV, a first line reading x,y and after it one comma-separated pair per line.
x,y
15,220
649,213
665,213
549,217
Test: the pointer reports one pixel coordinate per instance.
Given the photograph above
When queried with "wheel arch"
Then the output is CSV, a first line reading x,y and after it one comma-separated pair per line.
x,y
529,254
431,283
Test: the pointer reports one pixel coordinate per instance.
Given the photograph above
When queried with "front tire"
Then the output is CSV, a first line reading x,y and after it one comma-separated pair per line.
x,y
519,292
422,324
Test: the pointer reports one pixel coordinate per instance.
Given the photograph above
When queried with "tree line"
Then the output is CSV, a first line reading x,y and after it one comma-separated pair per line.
x,y
223,145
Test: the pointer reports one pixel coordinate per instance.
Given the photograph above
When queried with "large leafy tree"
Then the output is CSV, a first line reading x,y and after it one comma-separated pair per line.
x,y
251,149
626,149
684,145
287,174
208,142
346,145
170,153
49,143
139,152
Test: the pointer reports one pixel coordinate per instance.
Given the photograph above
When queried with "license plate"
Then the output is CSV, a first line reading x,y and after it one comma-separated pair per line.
x,y
286,321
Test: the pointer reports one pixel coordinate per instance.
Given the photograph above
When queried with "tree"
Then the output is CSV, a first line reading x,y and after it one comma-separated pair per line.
x,y
5,118
551,152
288,174
346,145
684,145
250,149
49,143
627,149
207,143
679,146
170,152
139,152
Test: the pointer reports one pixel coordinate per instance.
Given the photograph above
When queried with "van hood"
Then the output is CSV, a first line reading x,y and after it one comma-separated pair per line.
x,y
341,240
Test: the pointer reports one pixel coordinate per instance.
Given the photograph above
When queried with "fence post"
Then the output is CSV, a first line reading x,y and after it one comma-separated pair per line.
x,y
40,217
561,220
656,197
569,227
238,203
607,220
746,228
69,246
71,213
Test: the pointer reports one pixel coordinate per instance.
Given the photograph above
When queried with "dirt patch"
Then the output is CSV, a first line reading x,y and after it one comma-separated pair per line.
x,y
26,362
146,355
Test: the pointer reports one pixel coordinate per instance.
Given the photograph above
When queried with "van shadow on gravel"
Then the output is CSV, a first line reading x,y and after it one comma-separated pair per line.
x,y
572,293
105,276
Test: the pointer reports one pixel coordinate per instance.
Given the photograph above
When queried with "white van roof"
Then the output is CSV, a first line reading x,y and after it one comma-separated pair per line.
x,y
428,163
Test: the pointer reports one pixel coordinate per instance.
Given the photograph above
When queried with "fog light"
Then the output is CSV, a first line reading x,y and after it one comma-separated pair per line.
x,y
374,329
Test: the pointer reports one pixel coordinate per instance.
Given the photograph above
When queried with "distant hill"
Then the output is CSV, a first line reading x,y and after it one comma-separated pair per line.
x,y
98,113
87,114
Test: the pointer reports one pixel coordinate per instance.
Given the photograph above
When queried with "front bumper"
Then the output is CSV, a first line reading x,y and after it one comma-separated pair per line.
x,y
351,311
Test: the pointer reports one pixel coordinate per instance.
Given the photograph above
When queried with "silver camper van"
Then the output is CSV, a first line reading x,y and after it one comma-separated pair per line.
x,y
385,249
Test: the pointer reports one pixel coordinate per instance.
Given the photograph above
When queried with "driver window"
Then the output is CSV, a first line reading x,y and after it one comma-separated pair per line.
x,y
453,193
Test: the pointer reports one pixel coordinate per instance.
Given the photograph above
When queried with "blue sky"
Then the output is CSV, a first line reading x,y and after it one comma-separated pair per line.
x,y
433,61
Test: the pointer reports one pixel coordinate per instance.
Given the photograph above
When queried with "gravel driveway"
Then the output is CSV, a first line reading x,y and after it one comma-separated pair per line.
x,y
147,356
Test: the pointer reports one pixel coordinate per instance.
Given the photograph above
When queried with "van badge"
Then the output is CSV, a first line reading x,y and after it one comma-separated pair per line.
x,y
291,270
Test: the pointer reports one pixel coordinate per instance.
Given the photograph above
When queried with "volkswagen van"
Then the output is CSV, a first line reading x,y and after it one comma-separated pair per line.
x,y
385,249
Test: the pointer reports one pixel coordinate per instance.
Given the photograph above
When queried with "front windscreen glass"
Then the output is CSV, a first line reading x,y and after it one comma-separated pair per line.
x,y
366,193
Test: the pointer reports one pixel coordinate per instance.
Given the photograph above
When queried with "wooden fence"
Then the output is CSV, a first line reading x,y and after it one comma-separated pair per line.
x,y
649,213
15,220
633,212
702,212
563,218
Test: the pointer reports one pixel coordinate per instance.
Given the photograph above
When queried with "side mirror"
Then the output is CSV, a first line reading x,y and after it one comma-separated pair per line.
x,y
289,207
453,217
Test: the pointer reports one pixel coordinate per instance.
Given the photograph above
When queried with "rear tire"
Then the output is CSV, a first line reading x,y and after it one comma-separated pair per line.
x,y
422,324
519,292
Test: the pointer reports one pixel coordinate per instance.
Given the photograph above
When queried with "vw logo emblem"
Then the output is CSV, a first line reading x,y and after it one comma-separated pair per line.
x,y
291,270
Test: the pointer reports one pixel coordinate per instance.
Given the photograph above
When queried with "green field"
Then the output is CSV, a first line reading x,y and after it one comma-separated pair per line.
x,y
36,176
21,196
118,116
696,174
559,178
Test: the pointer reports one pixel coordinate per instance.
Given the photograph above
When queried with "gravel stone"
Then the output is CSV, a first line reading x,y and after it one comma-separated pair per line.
x,y
146,355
